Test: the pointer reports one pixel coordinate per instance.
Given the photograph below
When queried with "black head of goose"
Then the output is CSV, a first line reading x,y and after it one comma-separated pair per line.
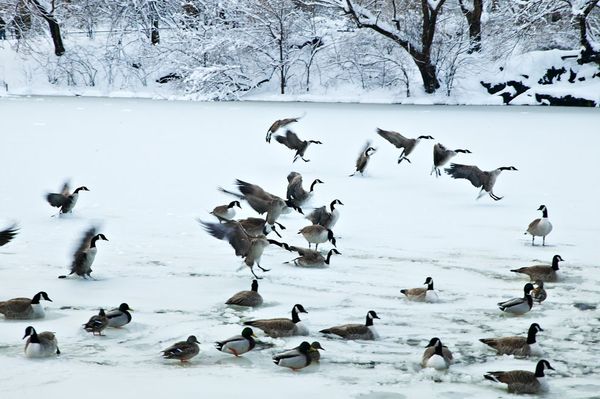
x,y
278,124
25,308
546,273
120,316
521,381
356,331
247,298
441,156
282,327
363,159
540,227
478,177
519,306
42,344
436,355
84,256
515,345
8,234
293,142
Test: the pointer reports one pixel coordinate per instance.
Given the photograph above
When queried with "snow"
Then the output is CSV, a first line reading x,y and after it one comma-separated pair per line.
x,y
153,168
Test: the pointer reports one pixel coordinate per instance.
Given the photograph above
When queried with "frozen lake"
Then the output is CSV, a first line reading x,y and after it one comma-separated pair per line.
x,y
153,168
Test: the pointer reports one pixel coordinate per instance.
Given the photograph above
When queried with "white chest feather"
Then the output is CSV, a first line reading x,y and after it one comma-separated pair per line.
x,y
543,228
91,255
535,350
431,296
374,333
37,310
300,329
437,362
335,215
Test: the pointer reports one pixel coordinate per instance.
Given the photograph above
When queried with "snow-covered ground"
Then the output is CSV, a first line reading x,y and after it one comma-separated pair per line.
x,y
153,168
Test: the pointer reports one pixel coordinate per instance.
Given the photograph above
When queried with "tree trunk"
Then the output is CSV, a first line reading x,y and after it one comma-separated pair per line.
x,y
474,20
154,33
54,28
589,53
428,73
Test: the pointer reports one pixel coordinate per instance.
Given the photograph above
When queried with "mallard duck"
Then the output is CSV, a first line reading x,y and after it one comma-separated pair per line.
x,y
521,381
356,331
539,293
295,359
225,212
399,141
540,227
313,352
8,234
24,308
65,200
247,298
317,234
282,327
517,346
424,294
239,344
519,306
43,344
97,323
311,258
545,273
84,256
436,355
182,350
120,316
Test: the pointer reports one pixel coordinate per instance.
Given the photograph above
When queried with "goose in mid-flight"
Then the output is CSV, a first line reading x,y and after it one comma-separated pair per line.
x,y
441,156
42,344
293,142
540,227
363,159
84,256
258,226
521,381
399,141
295,192
278,124
65,200
478,178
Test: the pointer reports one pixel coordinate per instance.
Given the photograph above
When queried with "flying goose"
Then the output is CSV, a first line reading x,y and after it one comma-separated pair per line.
x,y
295,192
120,316
517,346
43,344
250,248
24,308
540,227
539,293
422,294
247,298
84,256
97,323
478,178
295,359
225,212
317,234
311,258
545,273
519,306
282,327
326,218
399,141
65,200
363,159
239,344
521,381
278,124
436,355
182,350
8,234
356,331
258,226
441,156
293,142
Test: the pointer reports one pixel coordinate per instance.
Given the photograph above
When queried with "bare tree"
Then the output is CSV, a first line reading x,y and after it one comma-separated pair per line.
x,y
473,16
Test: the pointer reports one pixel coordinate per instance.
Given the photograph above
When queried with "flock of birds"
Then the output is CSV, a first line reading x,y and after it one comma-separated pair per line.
x,y
249,238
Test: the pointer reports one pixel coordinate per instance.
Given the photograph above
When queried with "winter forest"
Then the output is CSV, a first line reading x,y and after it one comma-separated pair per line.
x,y
424,51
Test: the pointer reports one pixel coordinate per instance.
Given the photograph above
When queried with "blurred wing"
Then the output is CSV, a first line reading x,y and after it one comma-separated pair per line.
x,y
57,200
319,216
85,242
469,172
290,140
395,138
8,234
233,232
66,189
439,153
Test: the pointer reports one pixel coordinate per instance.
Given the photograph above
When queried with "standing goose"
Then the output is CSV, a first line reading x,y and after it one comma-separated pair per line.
x,y
43,344
97,323
293,142
24,308
326,218
363,159
282,327
225,213
436,355
521,381
8,234
258,226
478,178
250,248
539,293
278,124
519,306
311,258
422,294
65,200
239,344
317,234
295,192
295,359
182,350
247,298
517,346
119,317
545,273
84,256
540,227
441,156
399,141
356,331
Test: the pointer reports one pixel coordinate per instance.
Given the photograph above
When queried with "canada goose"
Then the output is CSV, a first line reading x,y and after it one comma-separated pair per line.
x,y
478,178
295,192
545,273
258,226
8,234
356,331
326,218
120,316
239,344
399,141
295,359
521,381
225,212
311,258
182,350
539,293
441,156
24,308
97,323
436,355
317,234
540,227
65,200
84,256
282,327
517,346
247,298
519,305
422,294
250,248
43,344
363,159
293,142
278,124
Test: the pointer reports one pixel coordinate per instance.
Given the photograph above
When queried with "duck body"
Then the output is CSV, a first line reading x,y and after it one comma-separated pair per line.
x,y
97,323
119,317
183,350
239,344
24,308
519,306
295,359
40,345
282,327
